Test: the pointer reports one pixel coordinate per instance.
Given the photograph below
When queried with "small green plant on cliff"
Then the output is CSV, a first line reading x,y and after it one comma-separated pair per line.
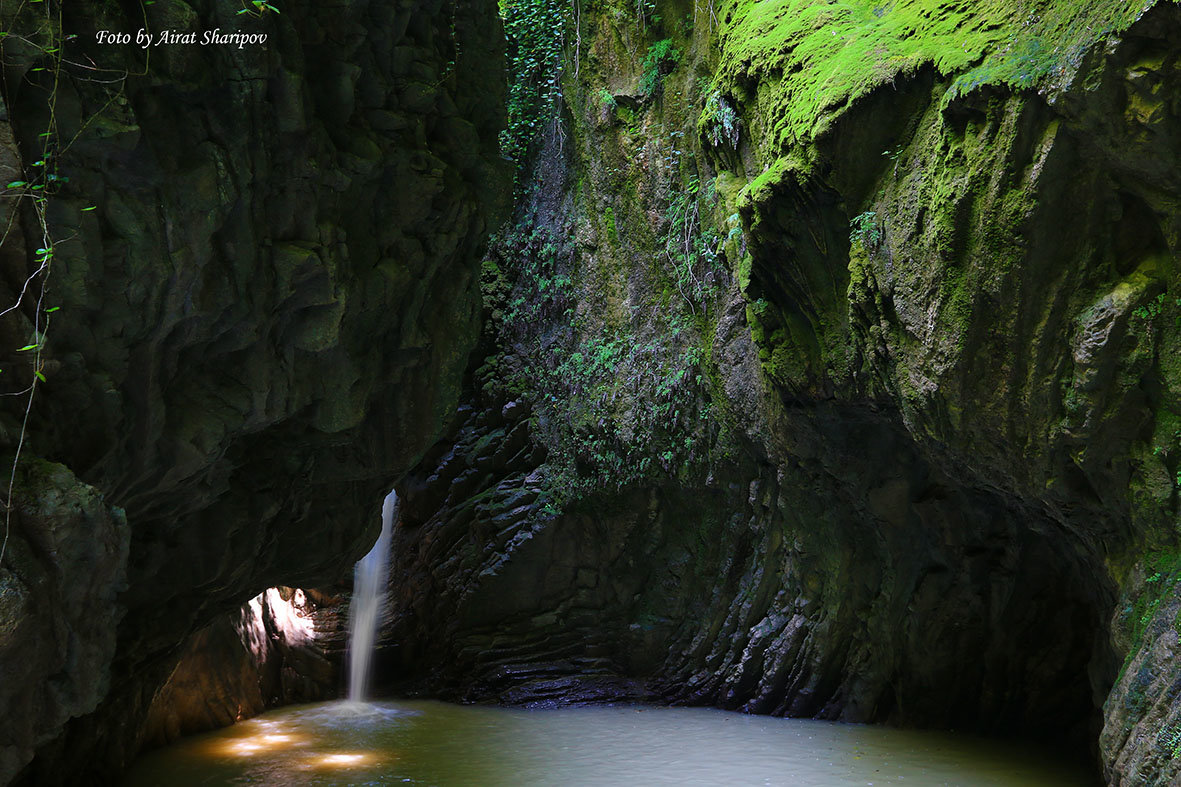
x,y
1165,450
895,157
646,12
661,59
864,230
1151,311
1147,317
1169,740
720,121
607,100
691,248
257,8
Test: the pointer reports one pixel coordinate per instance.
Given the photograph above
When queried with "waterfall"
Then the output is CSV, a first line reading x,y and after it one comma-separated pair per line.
x,y
369,584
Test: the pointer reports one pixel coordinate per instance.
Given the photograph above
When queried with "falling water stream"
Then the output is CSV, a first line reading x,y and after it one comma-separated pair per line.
x,y
369,588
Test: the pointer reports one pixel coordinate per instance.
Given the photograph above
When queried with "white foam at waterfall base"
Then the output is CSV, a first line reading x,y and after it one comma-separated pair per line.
x,y
369,590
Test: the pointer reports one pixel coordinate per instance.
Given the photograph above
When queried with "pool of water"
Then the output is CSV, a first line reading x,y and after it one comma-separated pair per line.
x,y
425,742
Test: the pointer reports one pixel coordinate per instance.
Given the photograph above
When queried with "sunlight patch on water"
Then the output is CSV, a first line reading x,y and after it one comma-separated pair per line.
x,y
344,760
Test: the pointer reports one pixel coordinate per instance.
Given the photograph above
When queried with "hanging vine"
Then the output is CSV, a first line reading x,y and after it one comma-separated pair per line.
x,y
535,31
32,43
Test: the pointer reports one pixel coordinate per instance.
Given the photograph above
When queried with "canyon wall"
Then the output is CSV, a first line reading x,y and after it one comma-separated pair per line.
x,y
244,307
828,369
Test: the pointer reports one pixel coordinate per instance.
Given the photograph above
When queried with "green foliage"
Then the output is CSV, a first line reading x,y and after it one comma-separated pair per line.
x,y
543,286
611,356
1149,316
646,13
864,230
534,30
661,59
1150,311
258,8
1169,740
613,406
719,122
661,429
1168,449
30,195
691,248
895,157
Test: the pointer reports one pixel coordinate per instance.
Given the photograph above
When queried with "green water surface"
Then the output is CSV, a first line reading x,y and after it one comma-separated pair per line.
x,y
425,742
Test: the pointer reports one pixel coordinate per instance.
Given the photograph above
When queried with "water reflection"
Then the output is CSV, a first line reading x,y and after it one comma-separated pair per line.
x,y
433,743
343,760
247,747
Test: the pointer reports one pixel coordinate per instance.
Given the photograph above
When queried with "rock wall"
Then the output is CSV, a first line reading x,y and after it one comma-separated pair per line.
x,y
1142,716
66,554
260,297
281,647
827,371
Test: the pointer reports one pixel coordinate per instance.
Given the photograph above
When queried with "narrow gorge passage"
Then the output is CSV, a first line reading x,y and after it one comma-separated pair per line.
x,y
797,358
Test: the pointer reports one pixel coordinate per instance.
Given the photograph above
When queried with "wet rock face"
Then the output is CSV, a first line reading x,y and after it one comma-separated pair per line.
x,y
762,591
1141,740
278,648
270,305
942,356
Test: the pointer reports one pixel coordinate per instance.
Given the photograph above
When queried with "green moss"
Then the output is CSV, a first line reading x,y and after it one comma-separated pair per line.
x,y
837,52
761,189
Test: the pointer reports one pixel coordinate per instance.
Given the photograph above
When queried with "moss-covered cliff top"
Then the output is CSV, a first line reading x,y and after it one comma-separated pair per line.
x,y
810,59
